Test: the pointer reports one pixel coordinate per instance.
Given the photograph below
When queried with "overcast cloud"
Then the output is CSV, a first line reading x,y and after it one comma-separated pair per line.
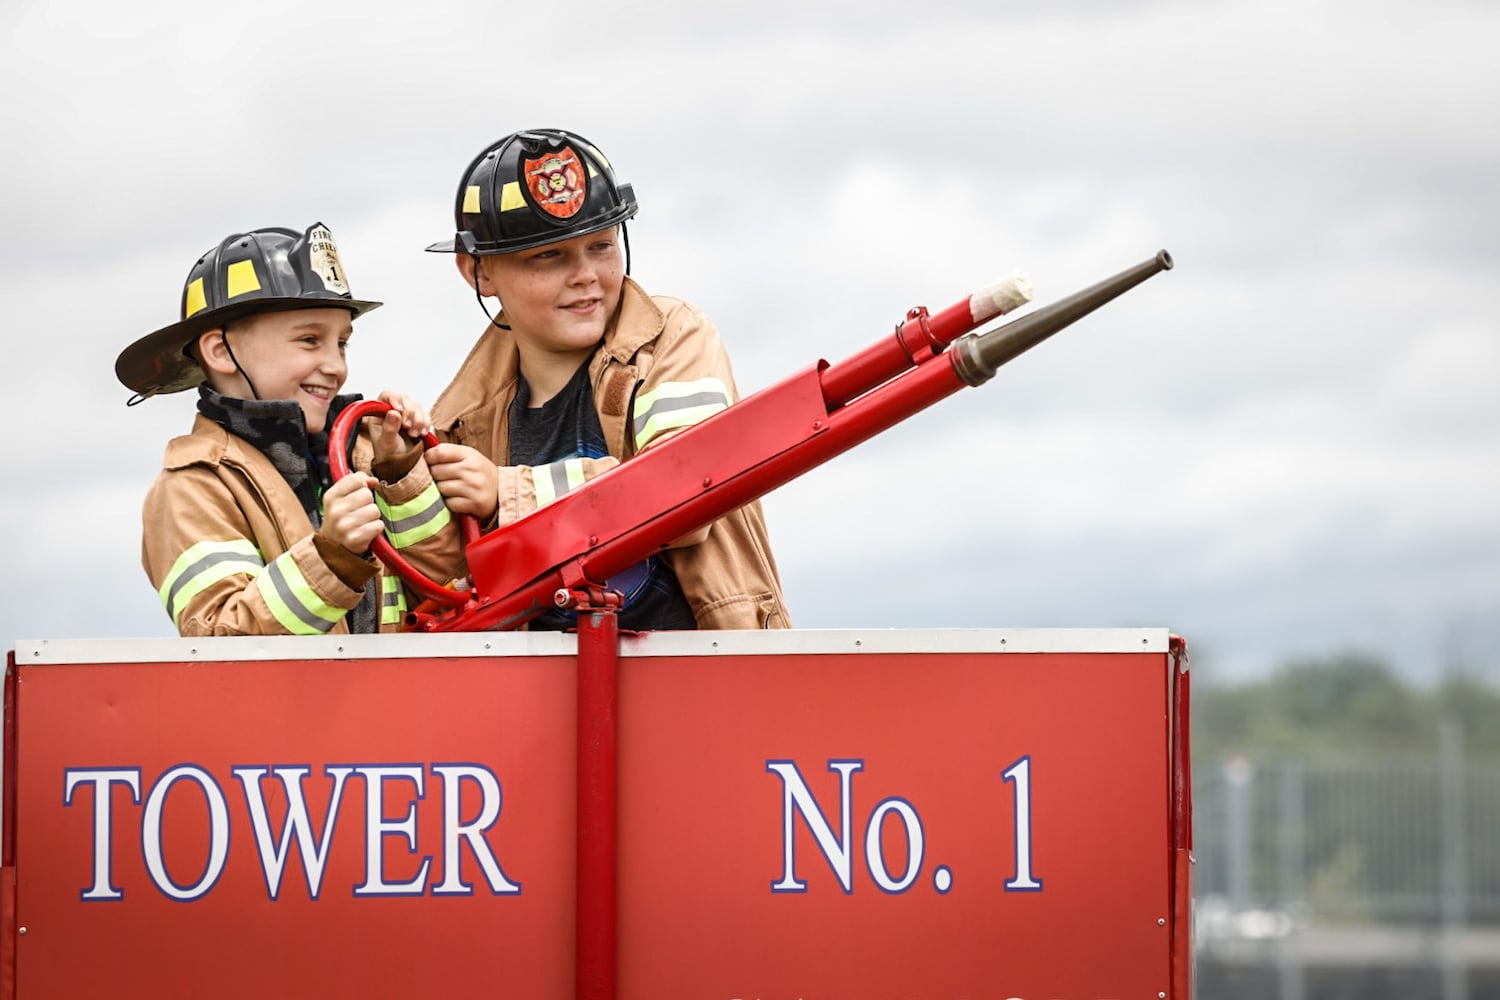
x,y
1288,445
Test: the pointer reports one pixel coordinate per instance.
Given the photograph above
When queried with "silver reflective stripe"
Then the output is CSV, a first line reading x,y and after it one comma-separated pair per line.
x,y
392,600
293,601
556,478
416,520
673,405
203,565
406,524
557,474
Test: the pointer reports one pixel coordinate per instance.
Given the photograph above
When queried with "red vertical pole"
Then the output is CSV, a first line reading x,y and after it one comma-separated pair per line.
x,y
8,920
8,833
594,932
1181,822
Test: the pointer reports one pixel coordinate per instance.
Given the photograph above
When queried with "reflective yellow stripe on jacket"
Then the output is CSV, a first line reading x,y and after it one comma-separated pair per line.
x,y
202,566
292,599
556,478
672,405
421,517
392,600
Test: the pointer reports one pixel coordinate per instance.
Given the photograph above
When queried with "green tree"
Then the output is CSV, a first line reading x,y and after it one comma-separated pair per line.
x,y
1349,702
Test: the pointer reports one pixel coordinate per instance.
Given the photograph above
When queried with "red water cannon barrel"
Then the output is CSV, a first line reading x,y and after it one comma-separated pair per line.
x,y
976,359
615,520
919,338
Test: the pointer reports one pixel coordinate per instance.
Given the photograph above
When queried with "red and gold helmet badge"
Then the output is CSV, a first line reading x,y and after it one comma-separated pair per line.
x,y
558,182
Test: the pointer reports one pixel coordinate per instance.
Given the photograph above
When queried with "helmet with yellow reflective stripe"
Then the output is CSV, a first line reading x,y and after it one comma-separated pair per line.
x,y
532,188
264,270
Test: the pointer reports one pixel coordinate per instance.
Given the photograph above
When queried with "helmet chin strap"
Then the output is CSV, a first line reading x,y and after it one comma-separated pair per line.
x,y
480,298
224,337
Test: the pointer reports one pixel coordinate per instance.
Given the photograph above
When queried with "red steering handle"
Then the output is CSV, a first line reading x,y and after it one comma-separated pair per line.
x,y
338,462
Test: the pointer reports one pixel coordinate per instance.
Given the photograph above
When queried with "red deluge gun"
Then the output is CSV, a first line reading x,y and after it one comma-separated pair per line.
x,y
560,554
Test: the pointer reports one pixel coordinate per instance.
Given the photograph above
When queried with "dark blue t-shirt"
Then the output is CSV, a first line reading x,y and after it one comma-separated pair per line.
x,y
567,426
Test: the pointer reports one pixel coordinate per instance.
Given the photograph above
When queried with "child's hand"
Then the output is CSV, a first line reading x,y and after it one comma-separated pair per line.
x,y
350,516
405,415
413,418
469,482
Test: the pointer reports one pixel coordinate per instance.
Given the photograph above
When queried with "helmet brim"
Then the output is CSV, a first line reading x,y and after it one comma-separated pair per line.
x,y
617,218
158,362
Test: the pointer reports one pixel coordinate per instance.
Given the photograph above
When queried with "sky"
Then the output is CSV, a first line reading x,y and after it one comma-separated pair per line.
x,y
1286,447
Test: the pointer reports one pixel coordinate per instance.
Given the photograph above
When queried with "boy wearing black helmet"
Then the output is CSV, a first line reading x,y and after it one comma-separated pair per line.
x,y
580,370
244,532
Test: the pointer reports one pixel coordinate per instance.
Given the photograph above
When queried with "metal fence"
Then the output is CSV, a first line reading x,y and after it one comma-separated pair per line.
x,y
1307,865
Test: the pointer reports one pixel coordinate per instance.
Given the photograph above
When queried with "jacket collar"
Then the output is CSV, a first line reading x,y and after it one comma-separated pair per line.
x,y
639,323
208,444
494,362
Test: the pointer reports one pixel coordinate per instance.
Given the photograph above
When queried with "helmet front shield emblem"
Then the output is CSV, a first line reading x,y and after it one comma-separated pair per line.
x,y
533,188
556,182
264,270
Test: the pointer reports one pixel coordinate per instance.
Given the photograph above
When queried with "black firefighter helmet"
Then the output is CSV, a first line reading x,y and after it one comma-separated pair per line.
x,y
264,270
532,188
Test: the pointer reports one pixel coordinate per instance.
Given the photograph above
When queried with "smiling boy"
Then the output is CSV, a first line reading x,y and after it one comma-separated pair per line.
x,y
581,370
244,531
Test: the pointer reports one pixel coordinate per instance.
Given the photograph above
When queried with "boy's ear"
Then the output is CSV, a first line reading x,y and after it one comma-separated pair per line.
x,y
212,354
465,267
472,272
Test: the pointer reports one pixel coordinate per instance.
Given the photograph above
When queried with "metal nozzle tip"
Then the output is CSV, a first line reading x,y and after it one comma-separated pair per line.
x,y
1165,259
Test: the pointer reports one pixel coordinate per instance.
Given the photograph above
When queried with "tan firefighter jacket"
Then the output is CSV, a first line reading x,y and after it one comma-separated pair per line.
x,y
231,551
662,368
